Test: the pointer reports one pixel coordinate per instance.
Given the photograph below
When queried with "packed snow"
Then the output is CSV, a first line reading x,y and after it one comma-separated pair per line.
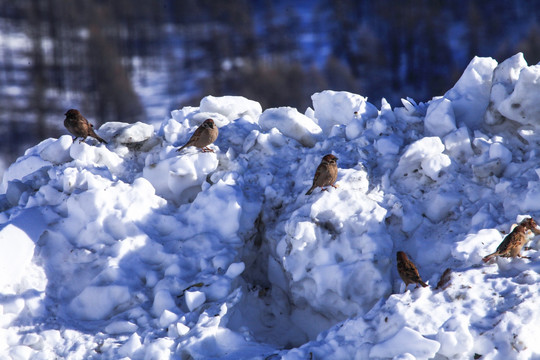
x,y
133,250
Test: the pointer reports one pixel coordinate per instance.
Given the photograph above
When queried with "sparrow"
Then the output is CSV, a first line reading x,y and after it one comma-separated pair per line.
x,y
205,135
514,242
79,126
326,173
444,281
408,271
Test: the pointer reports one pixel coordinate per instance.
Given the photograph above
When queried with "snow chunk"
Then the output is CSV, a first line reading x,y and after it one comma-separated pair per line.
x,y
57,152
470,95
388,145
406,341
504,80
522,105
424,156
179,178
235,269
471,249
440,205
455,338
100,302
23,167
121,327
194,299
96,155
16,252
440,119
338,108
458,144
232,107
167,317
219,202
131,346
127,134
291,123
163,301
532,198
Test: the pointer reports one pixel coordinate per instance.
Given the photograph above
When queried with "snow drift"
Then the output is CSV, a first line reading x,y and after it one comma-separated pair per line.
x,y
134,250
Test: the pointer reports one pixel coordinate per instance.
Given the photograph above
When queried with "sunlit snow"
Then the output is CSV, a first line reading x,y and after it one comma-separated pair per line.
x,y
133,250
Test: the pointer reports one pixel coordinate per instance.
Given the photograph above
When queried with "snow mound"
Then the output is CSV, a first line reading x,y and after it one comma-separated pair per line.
x,y
133,250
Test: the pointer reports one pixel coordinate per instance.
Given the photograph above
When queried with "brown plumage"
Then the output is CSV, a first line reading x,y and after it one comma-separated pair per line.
x,y
79,126
514,242
326,173
205,135
408,271
444,281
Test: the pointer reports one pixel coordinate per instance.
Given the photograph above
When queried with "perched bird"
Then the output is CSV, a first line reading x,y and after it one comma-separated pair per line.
x,y
79,126
205,135
444,281
326,173
514,242
408,271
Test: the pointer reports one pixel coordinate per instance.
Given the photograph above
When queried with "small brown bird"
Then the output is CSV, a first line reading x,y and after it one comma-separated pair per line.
x,y
205,135
79,126
514,242
408,271
326,173
444,281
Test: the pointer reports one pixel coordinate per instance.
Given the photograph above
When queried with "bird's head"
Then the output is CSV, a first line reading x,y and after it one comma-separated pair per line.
x,y
208,123
72,113
329,159
401,256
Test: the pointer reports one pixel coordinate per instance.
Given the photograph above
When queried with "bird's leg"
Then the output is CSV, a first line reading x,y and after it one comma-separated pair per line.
x,y
523,257
335,186
324,189
207,149
75,138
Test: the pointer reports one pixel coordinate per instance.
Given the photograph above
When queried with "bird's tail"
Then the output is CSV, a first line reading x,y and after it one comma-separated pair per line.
x,y
488,257
181,148
93,134
422,283
311,190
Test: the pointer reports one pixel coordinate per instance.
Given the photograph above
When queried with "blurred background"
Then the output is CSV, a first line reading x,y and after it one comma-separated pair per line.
x,y
136,60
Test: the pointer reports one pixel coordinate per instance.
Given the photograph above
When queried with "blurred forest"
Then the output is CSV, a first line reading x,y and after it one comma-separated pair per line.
x,y
135,60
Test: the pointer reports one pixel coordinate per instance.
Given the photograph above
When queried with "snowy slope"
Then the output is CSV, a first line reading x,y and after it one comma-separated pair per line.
x,y
133,250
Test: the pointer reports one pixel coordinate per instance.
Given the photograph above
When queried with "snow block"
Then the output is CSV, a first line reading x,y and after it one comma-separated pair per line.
x,y
338,108
522,105
232,107
292,124
470,95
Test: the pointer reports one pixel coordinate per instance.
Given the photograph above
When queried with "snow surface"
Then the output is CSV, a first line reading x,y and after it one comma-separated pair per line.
x,y
132,250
